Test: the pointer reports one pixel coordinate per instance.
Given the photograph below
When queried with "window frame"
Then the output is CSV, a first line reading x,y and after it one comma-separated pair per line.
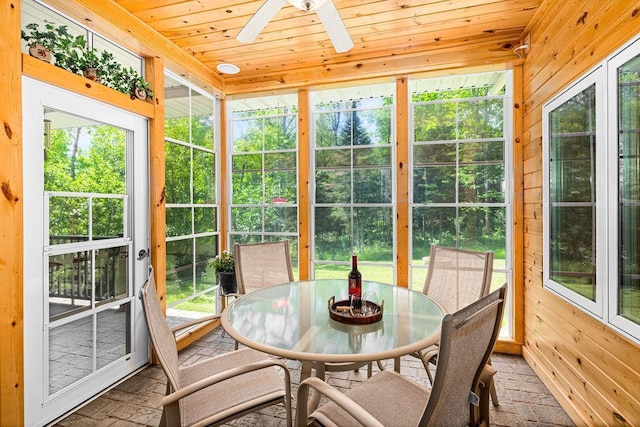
x,y
594,77
457,204
630,51
605,307
214,150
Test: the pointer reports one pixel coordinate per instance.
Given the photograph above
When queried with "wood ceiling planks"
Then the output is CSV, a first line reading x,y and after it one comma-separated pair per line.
x,y
295,44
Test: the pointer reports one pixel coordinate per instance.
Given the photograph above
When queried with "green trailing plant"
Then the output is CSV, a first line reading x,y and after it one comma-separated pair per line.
x,y
127,80
73,54
140,88
45,38
56,41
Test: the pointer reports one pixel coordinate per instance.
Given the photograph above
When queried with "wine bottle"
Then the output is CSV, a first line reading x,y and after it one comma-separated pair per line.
x,y
355,278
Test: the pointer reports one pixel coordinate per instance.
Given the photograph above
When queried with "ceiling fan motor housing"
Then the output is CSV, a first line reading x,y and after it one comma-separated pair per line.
x,y
307,5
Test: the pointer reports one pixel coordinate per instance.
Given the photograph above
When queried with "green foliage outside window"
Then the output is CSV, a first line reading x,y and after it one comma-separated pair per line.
x,y
572,198
190,191
458,171
264,176
353,183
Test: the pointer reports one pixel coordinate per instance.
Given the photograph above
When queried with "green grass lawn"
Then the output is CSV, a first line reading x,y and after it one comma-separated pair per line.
x,y
378,273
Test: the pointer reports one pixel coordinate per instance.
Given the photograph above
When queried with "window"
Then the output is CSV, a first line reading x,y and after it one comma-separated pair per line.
x,y
572,181
264,183
354,185
461,162
190,185
592,192
624,134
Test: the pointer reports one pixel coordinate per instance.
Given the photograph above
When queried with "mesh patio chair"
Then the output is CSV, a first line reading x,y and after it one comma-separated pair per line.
x,y
215,390
455,279
258,265
390,399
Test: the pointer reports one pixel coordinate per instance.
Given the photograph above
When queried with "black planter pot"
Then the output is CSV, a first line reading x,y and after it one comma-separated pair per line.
x,y
227,282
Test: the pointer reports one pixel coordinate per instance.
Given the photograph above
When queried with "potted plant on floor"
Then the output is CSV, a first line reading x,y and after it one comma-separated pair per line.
x,y
224,266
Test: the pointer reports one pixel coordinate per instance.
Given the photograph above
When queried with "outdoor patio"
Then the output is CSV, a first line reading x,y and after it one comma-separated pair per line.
x,y
524,400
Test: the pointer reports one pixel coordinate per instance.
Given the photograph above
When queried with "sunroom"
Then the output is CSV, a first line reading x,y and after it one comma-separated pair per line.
x,y
494,125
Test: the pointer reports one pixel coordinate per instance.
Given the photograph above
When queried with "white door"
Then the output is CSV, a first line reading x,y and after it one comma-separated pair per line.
x,y
86,236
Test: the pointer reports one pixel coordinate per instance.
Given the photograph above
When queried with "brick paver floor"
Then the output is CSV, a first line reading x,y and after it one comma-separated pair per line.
x,y
524,400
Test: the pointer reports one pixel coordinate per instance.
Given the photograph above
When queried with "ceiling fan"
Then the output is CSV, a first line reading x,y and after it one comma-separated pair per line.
x,y
325,9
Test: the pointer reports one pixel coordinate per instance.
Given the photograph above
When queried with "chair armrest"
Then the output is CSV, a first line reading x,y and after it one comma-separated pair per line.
x,y
225,375
194,322
351,407
486,376
429,353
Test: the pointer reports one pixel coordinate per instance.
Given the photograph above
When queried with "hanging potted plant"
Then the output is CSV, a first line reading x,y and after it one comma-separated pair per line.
x,y
224,266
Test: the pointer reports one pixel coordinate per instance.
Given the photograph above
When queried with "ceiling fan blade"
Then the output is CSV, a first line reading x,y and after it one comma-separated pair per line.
x,y
334,26
259,20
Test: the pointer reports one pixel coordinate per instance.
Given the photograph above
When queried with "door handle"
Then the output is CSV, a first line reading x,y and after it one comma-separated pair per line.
x,y
142,254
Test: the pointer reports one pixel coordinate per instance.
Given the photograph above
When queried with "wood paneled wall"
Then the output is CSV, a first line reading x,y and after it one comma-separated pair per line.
x,y
593,371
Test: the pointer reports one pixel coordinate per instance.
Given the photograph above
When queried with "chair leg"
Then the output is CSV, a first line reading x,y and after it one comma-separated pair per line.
x,y
480,414
425,363
492,389
494,394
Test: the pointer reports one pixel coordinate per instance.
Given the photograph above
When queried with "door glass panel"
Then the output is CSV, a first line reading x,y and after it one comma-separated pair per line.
x,y
111,275
69,219
107,218
113,338
85,182
86,205
69,288
70,353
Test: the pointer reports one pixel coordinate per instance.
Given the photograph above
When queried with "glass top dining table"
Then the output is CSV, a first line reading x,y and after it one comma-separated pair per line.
x,y
292,320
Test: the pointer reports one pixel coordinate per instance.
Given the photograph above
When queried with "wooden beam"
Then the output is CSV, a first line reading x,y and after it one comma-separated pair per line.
x,y
403,256
64,79
154,73
518,206
454,58
111,20
222,161
304,203
11,220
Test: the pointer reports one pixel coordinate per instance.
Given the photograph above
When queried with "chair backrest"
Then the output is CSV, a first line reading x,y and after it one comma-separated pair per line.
x,y
259,265
457,277
467,338
163,340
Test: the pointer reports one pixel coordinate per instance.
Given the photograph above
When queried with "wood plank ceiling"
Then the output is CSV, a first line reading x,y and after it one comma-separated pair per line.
x,y
391,37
